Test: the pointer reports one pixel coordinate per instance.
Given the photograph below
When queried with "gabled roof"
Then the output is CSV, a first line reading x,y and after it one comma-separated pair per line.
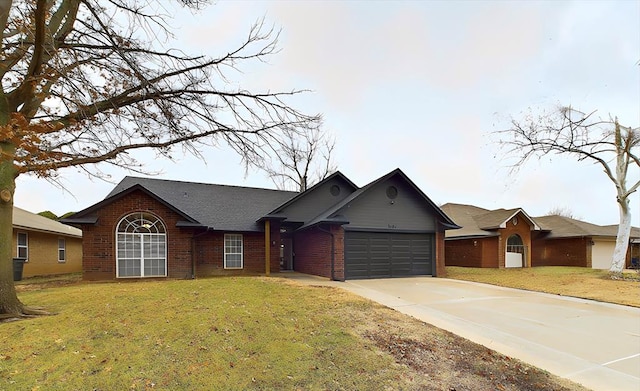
x,y
217,207
566,227
336,174
480,222
331,215
28,221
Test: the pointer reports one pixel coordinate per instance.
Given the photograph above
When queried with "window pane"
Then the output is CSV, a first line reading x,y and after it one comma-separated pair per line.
x,y
22,252
61,255
22,239
233,251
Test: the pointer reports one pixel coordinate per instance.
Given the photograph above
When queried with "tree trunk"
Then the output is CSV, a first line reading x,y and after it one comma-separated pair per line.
x,y
9,303
622,240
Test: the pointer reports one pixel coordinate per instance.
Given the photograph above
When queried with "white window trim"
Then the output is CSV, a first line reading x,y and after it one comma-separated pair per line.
x,y
233,253
142,241
63,248
19,246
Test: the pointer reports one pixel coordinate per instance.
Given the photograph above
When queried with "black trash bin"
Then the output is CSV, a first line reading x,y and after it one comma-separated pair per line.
x,y
18,266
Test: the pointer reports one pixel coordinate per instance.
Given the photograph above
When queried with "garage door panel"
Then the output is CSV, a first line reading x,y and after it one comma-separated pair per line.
x,y
387,254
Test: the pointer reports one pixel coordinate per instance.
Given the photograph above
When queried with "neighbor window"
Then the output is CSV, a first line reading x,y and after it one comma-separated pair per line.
x,y
233,251
23,245
141,249
62,250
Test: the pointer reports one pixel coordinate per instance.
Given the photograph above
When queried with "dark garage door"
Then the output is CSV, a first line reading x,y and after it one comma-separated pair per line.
x,y
387,254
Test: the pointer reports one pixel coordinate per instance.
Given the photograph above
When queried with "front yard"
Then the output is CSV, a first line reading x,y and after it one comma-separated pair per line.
x,y
566,281
240,333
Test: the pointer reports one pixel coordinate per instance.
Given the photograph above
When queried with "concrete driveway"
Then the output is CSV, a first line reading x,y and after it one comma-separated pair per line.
x,y
594,344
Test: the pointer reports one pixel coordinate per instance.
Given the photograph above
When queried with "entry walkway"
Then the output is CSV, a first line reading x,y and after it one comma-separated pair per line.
x,y
594,344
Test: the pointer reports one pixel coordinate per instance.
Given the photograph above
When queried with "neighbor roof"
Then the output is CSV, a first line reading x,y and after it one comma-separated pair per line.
x,y
480,222
566,227
218,207
28,221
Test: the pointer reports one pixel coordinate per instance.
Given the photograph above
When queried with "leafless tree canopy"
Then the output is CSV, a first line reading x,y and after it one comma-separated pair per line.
x,y
299,160
85,81
569,131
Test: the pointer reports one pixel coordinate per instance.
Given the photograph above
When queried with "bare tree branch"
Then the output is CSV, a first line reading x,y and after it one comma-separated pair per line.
x,y
568,131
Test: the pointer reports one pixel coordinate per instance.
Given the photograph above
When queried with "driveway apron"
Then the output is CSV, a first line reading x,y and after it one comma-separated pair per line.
x,y
592,343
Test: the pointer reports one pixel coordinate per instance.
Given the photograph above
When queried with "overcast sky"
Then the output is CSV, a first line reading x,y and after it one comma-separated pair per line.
x,y
420,86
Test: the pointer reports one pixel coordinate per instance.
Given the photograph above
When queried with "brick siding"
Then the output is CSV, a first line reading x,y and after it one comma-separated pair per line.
x,y
312,248
184,245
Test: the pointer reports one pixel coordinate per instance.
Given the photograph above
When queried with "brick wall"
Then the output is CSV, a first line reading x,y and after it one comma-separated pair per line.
x,y
562,252
312,249
440,254
209,252
99,247
184,245
479,252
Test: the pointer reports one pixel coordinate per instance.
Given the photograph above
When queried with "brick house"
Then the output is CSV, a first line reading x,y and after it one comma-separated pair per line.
x,y
47,246
489,238
160,228
510,238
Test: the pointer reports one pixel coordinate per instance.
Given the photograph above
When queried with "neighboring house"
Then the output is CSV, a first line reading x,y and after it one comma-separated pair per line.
x,y
161,228
48,247
564,241
510,238
489,238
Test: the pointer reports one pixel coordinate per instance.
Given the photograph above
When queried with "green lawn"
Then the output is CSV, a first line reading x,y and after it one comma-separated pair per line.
x,y
567,281
183,335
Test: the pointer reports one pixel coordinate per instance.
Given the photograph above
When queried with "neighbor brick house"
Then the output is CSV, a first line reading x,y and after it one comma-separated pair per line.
x,y
489,238
510,238
47,246
564,241
159,228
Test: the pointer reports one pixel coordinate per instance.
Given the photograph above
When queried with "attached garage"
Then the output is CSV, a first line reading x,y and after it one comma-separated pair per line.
x,y
388,254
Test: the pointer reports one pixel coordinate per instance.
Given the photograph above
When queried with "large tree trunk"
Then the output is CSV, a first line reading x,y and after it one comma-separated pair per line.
x,y
9,303
622,240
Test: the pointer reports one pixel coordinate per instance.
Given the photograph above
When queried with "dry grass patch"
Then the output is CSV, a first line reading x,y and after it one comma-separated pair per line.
x,y
241,333
567,281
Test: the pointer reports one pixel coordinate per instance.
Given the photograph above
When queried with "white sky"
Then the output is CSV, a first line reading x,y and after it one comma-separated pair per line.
x,y
420,85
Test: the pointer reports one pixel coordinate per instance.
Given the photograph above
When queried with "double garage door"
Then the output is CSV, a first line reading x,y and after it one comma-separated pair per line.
x,y
387,254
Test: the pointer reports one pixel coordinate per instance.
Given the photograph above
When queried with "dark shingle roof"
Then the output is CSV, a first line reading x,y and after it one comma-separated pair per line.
x,y
219,207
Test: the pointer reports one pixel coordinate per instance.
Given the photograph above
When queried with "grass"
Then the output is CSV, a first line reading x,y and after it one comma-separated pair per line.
x,y
567,281
239,333
202,334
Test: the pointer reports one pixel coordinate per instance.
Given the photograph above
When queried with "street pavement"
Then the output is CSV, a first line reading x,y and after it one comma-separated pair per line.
x,y
592,343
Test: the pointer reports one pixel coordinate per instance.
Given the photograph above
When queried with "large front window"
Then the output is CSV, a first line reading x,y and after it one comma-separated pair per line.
x,y
141,246
233,251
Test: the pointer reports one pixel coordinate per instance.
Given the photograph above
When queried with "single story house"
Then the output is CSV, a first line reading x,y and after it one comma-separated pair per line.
x,y
47,246
570,242
160,228
511,238
489,238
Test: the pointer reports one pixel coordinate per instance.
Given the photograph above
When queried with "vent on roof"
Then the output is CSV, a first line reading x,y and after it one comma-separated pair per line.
x,y
392,192
335,190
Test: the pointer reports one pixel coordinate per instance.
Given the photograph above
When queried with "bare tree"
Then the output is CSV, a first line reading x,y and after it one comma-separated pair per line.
x,y
562,211
604,142
300,159
87,81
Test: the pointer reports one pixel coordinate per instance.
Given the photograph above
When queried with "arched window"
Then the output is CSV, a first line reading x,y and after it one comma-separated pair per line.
x,y
515,244
141,249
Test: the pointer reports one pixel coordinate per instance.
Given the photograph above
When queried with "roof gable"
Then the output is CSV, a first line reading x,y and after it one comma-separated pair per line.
x,y
306,205
479,222
337,212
